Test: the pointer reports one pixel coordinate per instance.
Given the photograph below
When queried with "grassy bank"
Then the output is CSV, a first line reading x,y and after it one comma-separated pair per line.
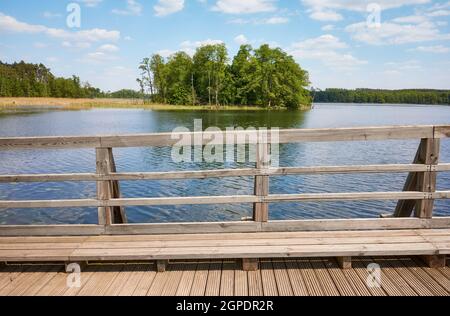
x,y
114,103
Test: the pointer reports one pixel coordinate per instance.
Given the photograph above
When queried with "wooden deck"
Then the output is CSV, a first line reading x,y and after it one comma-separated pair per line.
x,y
302,277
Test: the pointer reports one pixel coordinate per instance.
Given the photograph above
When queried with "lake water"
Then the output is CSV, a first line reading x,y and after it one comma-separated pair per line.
x,y
27,122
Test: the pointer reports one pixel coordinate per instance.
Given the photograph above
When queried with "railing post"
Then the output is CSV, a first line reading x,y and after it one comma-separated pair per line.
x,y
261,210
426,181
103,187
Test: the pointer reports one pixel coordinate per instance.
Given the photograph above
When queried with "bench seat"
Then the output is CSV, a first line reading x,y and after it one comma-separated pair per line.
x,y
426,242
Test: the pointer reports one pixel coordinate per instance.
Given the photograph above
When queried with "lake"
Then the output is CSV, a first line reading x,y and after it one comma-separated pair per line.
x,y
49,122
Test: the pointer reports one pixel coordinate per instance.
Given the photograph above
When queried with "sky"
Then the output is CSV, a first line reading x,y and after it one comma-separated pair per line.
x,y
391,44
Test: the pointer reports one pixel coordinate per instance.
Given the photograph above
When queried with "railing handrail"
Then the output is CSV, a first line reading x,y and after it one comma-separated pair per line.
x,y
420,190
285,136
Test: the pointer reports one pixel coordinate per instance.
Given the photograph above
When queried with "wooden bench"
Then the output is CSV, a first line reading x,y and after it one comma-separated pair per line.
x,y
433,244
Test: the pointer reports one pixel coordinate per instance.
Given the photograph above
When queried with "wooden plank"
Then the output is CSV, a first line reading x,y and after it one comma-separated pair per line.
x,y
361,269
200,280
158,284
426,181
227,279
175,273
356,283
436,274
255,287
144,284
261,188
222,173
42,281
169,139
268,280
118,212
51,230
214,277
187,279
104,190
296,279
425,278
412,279
339,279
326,282
311,281
100,282
240,283
441,131
235,199
118,283
282,278
390,273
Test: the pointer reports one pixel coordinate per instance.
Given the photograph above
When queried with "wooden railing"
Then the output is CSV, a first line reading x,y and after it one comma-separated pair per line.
x,y
419,192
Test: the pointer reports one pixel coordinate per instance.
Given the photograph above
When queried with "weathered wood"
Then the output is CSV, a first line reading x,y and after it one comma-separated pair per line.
x,y
161,265
223,173
261,210
285,136
344,262
118,212
426,181
250,264
435,261
81,264
104,189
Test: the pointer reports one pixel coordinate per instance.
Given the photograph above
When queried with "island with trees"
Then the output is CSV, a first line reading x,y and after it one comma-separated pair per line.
x,y
265,77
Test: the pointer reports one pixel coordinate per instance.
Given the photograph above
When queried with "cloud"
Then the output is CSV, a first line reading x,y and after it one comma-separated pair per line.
x,y
328,50
108,48
268,21
328,27
244,6
189,47
437,49
91,3
40,45
77,45
51,15
396,33
167,7
10,24
327,10
241,39
133,8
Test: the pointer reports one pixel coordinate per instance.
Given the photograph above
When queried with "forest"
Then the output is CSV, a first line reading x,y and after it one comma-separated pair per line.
x,y
263,77
411,96
36,80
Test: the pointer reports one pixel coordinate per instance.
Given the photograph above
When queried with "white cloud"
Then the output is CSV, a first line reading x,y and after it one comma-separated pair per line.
x,y
167,7
108,48
91,3
97,57
437,49
328,27
269,21
241,39
133,8
328,50
10,24
396,33
275,20
325,16
77,45
189,47
438,13
244,6
327,10
51,15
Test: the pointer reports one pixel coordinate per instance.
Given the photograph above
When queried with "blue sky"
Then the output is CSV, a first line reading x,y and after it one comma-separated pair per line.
x,y
342,43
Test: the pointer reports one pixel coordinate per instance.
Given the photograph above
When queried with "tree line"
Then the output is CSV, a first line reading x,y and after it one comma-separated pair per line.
x,y
266,77
36,80
412,96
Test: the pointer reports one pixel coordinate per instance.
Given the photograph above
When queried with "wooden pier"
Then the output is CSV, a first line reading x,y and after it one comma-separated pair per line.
x,y
269,257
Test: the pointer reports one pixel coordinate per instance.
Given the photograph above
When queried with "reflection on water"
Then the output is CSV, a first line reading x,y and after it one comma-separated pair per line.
x,y
28,122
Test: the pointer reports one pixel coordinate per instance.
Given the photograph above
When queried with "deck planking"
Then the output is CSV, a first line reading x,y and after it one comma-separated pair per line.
x,y
403,276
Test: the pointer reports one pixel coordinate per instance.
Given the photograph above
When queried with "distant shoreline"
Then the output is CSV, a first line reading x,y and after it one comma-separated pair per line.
x,y
80,104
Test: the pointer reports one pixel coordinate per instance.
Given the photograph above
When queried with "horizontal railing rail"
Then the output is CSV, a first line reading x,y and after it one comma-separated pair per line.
x,y
419,192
